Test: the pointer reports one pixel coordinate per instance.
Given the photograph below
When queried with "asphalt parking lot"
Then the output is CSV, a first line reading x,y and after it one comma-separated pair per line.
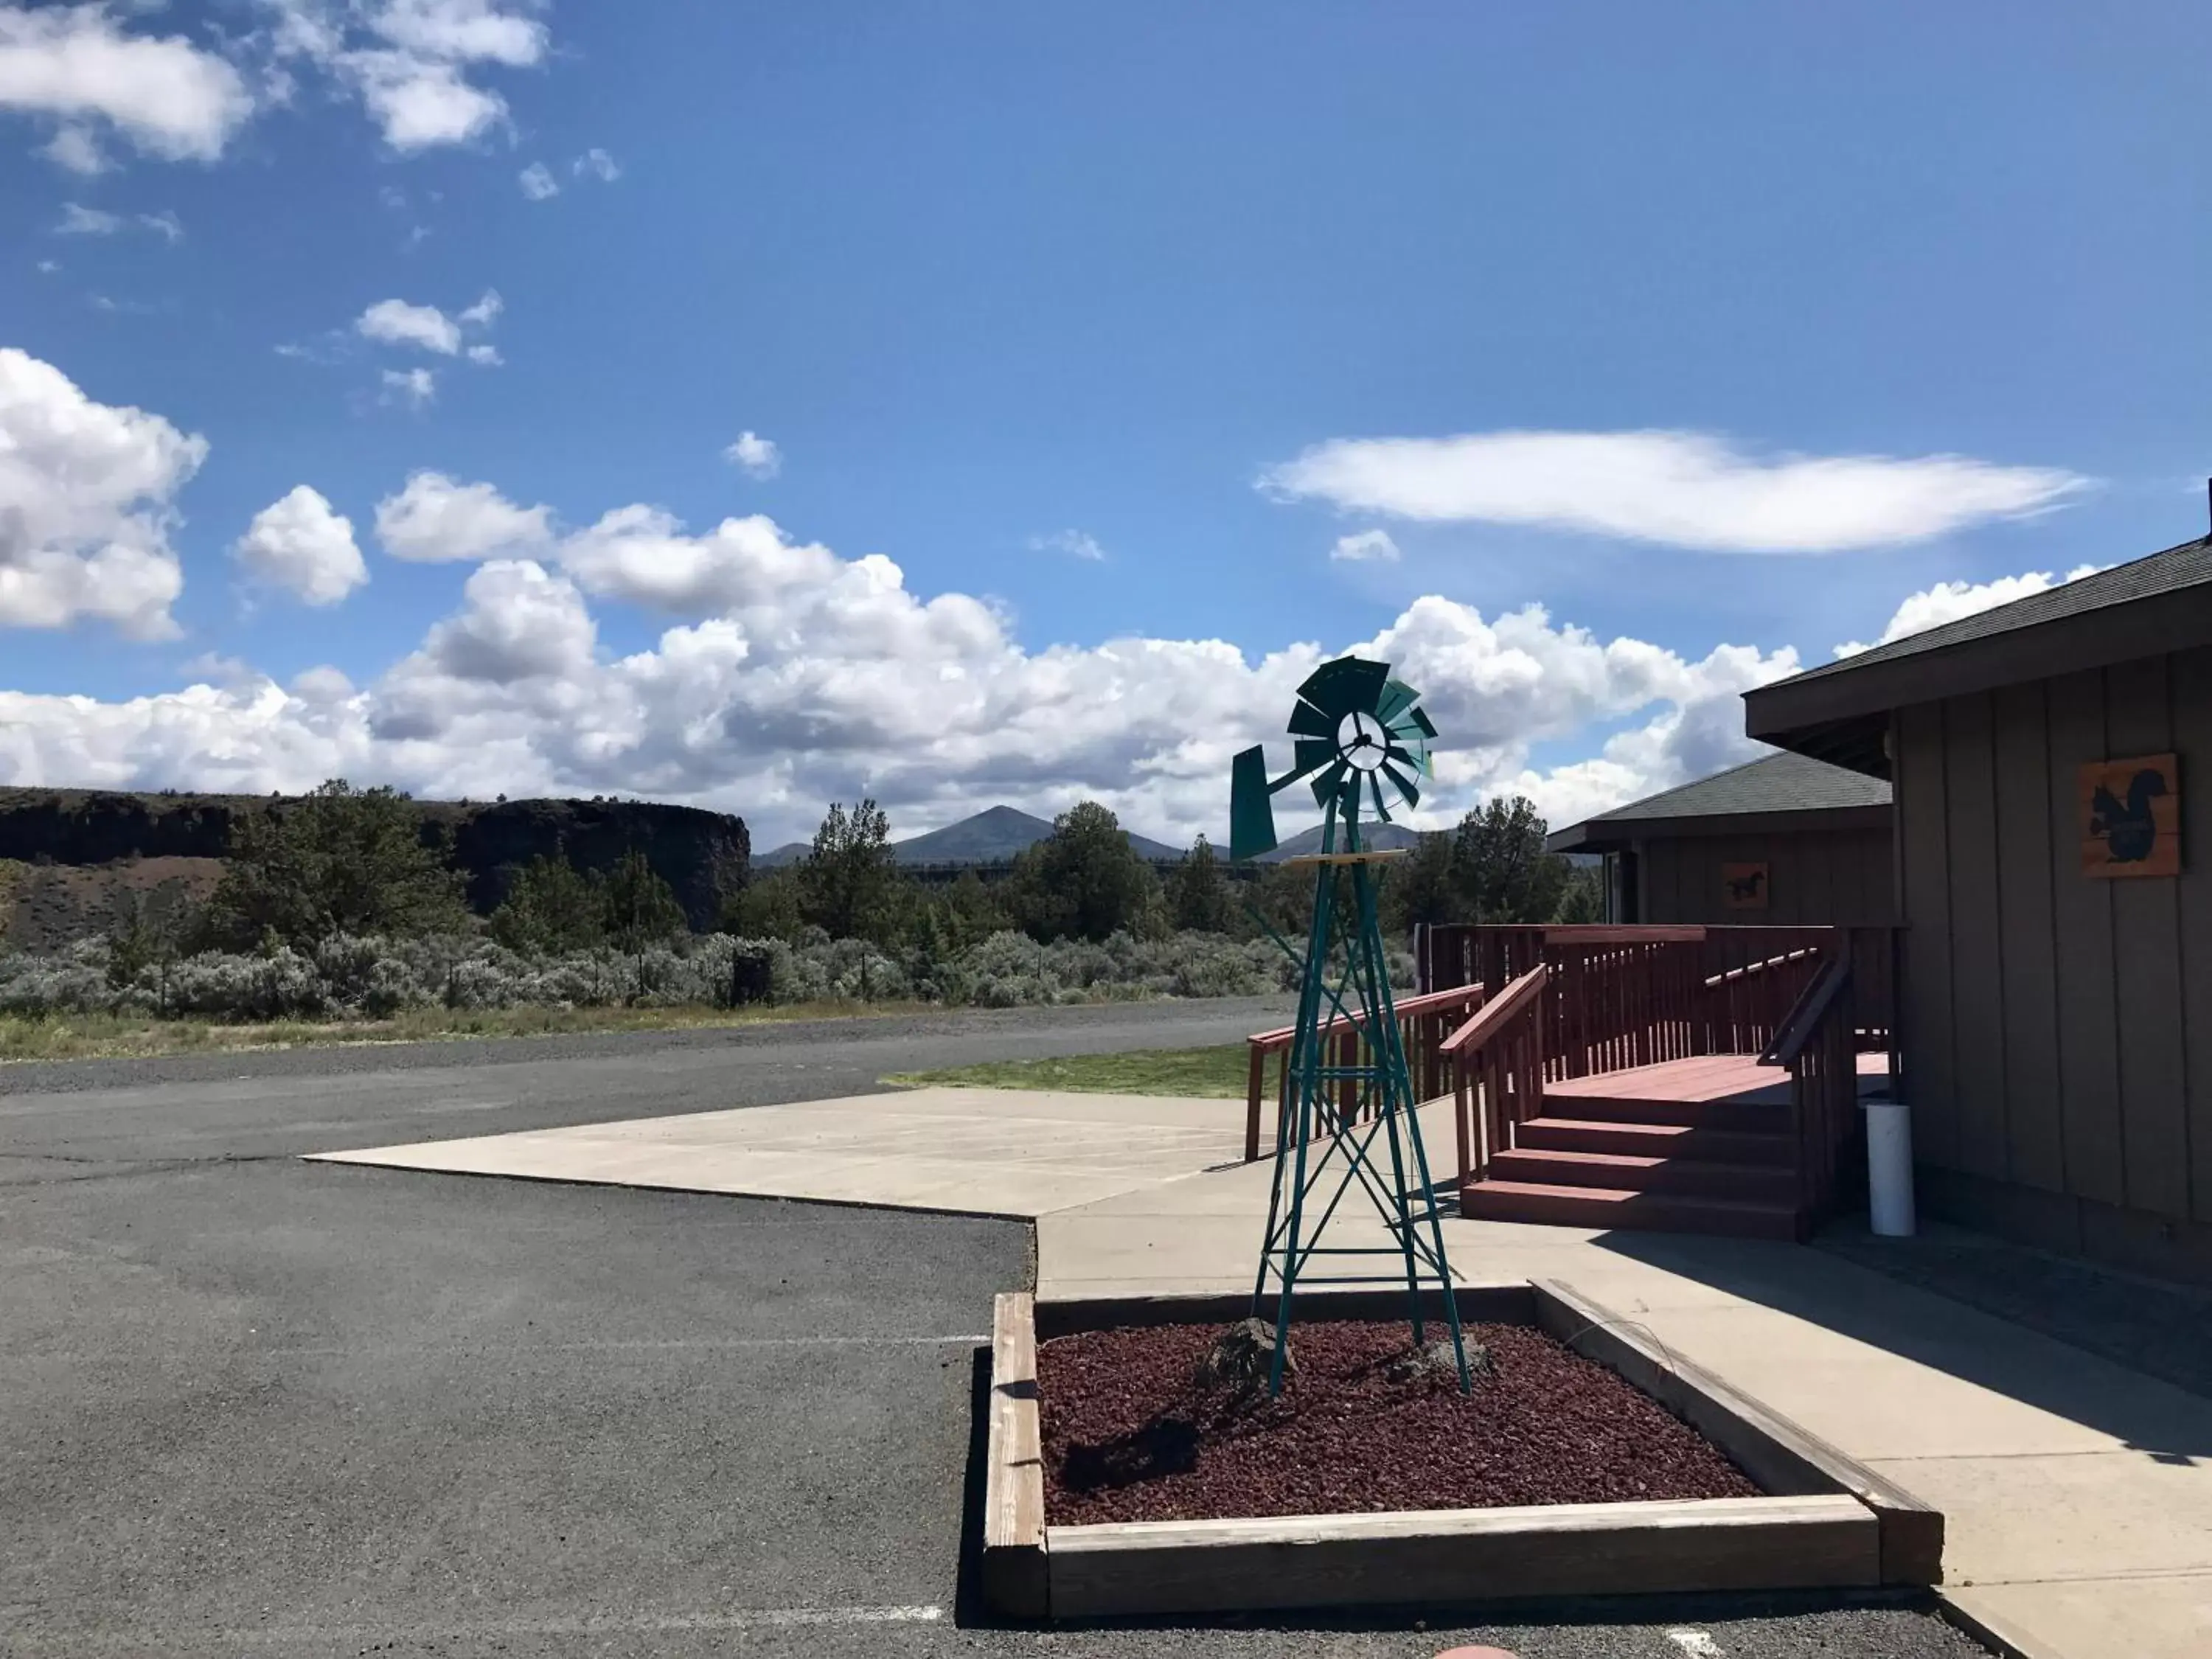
x,y
254,1405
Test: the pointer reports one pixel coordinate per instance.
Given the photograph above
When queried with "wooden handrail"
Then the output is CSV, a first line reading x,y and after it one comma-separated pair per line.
x,y
1420,1023
1767,966
1497,1061
1499,1011
1590,932
1802,1023
1402,1006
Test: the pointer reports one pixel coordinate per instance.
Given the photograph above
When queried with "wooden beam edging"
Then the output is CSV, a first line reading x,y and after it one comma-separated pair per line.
x,y
1013,1564
1828,1522
1771,1450
1541,1551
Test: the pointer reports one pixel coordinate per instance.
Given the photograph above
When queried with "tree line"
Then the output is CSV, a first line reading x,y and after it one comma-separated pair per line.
x,y
356,862
1085,881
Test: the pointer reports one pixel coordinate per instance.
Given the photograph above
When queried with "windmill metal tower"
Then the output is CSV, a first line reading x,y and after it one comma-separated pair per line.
x,y
1359,734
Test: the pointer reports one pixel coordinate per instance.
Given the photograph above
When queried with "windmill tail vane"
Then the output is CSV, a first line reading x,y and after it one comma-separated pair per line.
x,y
1359,739
1354,729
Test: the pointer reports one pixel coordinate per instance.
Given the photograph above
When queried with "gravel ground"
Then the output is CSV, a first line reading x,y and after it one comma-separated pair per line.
x,y
250,1405
1130,1434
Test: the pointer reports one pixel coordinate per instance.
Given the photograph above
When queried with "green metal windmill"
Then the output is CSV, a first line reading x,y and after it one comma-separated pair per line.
x,y
1360,740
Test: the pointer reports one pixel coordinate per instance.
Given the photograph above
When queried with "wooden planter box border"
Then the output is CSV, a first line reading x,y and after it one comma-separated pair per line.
x,y
1828,1522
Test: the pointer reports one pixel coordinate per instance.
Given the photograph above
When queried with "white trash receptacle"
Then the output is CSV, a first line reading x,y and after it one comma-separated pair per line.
x,y
1889,1167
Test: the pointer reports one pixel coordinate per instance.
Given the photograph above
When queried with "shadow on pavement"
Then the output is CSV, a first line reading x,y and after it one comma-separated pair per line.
x,y
2007,1357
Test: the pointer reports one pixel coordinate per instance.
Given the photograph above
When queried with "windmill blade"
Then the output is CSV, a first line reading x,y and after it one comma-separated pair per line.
x,y
1251,812
1329,784
1406,786
1347,685
1374,784
1413,755
1306,754
1396,695
1413,723
1308,721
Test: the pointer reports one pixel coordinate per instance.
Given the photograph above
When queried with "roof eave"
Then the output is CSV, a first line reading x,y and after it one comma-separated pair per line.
x,y
1613,835
1791,714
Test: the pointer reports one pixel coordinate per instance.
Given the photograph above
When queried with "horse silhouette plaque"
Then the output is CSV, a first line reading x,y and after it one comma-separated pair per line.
x,y
2131,817
1743,886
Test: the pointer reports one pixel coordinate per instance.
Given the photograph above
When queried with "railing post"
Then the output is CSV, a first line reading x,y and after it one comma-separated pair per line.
x,y
1255,1082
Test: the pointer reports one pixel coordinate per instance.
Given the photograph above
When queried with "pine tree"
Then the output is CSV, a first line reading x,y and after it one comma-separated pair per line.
x,y
1502,871
640,908
1083,879
550,906
339,860
849,887
1198,897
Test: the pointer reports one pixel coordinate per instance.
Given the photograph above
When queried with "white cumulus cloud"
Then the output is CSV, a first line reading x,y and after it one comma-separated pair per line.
x,y
161,94
300,544
78,220
755,456
538,182
1946,602
87,502
789,675
1681,489
596,163
435,519
87,222
1366,546
413,63
415,388
1076,543
395,322
77,149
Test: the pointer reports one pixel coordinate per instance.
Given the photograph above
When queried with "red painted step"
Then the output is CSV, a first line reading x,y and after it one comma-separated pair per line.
x,y
1756,1116
1767,1182
1659,1141
1603,1206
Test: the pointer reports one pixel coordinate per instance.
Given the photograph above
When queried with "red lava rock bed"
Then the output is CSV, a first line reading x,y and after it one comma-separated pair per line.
x,y
1133,1433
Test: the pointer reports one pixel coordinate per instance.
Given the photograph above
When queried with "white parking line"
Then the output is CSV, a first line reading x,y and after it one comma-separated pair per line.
x,y
332,1636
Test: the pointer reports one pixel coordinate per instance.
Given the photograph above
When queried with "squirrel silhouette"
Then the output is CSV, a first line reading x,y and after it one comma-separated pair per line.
x,y
2129,830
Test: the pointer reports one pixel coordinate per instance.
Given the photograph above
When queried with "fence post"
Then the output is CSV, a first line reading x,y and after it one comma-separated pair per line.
x,y
1255,1083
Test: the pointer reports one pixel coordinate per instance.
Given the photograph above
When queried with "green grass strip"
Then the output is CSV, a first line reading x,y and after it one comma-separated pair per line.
x,y
1205,1073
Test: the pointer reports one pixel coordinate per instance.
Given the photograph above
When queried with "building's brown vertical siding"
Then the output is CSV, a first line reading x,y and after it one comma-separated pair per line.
x,y
1923,814
2058,1027
1816,877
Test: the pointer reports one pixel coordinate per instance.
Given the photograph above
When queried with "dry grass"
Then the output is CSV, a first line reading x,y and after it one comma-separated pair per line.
x,y
1214,1073
106,1036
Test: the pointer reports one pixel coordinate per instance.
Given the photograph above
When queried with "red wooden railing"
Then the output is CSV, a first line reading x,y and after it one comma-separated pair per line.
x,y
1423,1023
1817,1043
1497,1072
1622,996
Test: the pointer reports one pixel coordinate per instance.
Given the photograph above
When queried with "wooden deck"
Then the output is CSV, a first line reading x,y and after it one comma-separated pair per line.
x,y
1738,1078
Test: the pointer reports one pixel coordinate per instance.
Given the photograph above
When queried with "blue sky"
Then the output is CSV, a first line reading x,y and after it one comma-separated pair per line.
x,y
1107,328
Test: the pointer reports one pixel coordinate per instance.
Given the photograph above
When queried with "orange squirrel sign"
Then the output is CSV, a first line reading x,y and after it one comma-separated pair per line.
x,y
2131,817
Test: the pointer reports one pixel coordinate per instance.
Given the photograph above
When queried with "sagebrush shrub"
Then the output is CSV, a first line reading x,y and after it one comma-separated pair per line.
x,y
349,976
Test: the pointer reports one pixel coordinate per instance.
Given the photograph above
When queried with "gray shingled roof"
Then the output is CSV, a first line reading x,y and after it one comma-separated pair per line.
x,y
1783,782
2188,565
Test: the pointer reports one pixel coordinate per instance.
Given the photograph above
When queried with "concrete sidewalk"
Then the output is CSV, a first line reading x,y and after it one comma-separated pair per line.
x,y
2078,1492
1012,1153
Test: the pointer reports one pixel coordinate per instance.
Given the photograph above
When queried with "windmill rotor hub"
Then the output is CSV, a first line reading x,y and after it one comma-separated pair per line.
x,y
1361,740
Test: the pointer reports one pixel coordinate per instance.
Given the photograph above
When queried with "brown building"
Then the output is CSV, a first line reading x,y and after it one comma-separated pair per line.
x,y
2050,760
1782,840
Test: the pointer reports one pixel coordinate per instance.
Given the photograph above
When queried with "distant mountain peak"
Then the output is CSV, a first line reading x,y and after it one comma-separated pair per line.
x,y
994,836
